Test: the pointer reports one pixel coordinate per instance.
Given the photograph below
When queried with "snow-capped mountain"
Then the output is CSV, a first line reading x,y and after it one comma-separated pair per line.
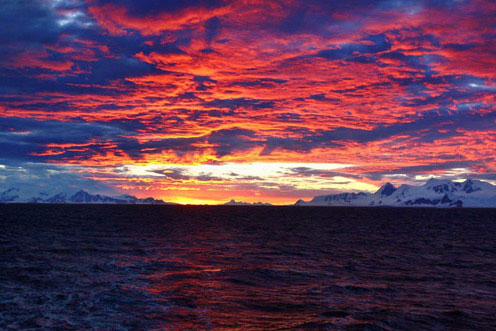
x,y
434,193
39,198
12,195
242,203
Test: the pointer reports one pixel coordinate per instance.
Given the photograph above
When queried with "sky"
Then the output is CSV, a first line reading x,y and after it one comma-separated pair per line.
x,y
205,101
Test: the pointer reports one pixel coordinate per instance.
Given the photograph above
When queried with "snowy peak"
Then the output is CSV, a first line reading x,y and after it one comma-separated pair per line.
x,y
434,193
242,203
341,199
12,195
81,196
126,197
442,186
57,198
470,186
386,190
85,197
40,197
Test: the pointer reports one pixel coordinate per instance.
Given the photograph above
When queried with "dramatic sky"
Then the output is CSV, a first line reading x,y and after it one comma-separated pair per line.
x,y
203,101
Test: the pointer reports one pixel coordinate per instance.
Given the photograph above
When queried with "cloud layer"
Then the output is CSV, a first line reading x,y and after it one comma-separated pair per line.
x,y
395,90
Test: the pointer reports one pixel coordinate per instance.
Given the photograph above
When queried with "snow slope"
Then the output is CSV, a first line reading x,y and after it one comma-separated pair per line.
x,y
13,195
241,203
434,193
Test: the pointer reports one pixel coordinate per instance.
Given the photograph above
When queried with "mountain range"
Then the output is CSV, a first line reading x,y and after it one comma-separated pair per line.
x,y
242,203
13,195
434,193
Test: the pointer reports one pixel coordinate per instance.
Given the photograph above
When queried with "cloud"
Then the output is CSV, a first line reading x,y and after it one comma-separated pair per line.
x,y
151,7
212,27
106,70
422,169
33,178
228,141
37,26
182,174
31,140
240,103
376,84
354,51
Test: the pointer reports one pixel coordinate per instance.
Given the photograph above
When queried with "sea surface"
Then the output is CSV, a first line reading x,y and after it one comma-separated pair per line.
x,y
125,267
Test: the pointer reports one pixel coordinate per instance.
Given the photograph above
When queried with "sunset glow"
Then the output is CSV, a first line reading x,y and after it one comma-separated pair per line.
x,y
201,102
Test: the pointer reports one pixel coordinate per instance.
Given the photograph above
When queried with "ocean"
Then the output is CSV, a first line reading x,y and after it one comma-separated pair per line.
x,y
123,267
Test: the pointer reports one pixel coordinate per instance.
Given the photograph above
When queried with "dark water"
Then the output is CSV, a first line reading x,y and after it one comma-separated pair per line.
x,y
174,267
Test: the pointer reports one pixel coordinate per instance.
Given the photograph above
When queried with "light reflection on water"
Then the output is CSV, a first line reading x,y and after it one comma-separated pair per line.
x,y
244,268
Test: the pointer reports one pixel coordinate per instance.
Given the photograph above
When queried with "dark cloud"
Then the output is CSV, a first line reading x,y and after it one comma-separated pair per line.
x,y
295,21
204,83
23,138
29,21
352,51
33,178
421,169
309,172
228,141
423,62
51,131
28,81
223,142
461,47
188,96
260,83
105,70
173,173
426,129
241,103
289,117
153,7
212,29
180,146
